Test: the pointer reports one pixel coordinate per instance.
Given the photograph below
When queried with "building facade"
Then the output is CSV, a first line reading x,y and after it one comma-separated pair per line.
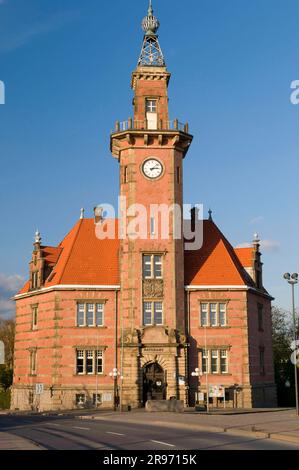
x,y
123,311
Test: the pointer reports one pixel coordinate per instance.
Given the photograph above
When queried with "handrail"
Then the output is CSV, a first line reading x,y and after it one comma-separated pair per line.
x,y
130,124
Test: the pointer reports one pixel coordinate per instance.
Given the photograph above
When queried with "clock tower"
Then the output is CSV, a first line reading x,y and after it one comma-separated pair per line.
x,y
150,149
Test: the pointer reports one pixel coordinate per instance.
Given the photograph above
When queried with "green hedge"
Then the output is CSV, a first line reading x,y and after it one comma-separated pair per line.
x,y
5,400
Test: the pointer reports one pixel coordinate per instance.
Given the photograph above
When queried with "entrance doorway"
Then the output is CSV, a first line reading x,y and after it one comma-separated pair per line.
x,y
154,383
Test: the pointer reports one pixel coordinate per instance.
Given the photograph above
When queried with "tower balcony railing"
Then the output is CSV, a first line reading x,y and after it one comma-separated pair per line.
x,y
131,124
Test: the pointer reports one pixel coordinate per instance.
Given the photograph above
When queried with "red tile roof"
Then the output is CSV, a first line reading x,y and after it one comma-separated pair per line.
x,y
216,263
245,256
83,259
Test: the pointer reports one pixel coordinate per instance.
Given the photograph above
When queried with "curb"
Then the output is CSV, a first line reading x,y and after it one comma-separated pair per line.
x,y
197,427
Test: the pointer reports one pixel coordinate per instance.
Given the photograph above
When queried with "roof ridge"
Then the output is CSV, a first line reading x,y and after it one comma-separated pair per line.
x,y
80,222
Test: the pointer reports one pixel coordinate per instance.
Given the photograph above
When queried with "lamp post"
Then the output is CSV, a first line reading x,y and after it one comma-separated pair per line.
x,y
197,373
292,279
114,375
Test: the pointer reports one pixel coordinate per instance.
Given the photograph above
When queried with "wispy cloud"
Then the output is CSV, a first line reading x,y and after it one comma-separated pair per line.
x,y
12,41
271,246
256,220
244,245
9,285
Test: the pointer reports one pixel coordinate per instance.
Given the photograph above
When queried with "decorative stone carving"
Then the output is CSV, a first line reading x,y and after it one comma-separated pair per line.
x,y
153,288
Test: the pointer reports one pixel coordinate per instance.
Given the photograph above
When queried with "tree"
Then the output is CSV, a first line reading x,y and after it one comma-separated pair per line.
x,y
7,335
284,369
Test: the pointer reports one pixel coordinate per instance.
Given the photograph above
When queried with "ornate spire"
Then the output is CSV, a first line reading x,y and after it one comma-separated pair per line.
x,y
151,53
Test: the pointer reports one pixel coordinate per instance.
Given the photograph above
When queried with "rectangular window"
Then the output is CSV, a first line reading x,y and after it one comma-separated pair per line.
x,y
214,361
152,267
80,399
34,317
147,267
33,356
80,362
81,315
204,315
262,361
152,313
213,314
222,314
90,315
97,399
89,362
260,308
99,315
151,106
125,174
204,361
100,363
158,313
147,313
223,361
35,280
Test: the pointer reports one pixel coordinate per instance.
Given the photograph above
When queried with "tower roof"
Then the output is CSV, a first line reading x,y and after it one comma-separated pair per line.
x,y
151,53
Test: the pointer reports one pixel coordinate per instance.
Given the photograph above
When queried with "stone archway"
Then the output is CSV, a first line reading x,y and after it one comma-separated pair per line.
x,y
154,382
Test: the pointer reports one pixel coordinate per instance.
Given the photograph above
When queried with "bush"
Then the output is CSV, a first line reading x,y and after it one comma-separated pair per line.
x,y
5,400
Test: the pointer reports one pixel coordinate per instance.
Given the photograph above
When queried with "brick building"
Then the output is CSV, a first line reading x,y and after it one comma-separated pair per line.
x,y
104,319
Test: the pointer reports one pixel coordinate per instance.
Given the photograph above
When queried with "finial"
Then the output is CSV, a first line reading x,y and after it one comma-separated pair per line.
x,y
210,214
37,237
82,212
256,239
150,24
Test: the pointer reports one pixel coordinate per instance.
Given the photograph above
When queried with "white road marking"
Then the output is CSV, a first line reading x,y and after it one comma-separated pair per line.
x,y
53,424
163,443
114,433
83,429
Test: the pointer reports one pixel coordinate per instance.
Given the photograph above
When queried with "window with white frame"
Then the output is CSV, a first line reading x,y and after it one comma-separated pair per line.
x,y
90,315
89,362
214,361
152,266
152,313
213,314
151,106
34,316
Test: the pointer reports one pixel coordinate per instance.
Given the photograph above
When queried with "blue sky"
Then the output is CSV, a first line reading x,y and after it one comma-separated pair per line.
x,y
66,66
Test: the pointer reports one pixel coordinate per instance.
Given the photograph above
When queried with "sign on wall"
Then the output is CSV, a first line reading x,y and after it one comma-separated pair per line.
x,y
39,389
216,391
2,353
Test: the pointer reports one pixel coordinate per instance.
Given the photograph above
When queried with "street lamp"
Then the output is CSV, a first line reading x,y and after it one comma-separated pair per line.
x,y
114,375
197,373
292,279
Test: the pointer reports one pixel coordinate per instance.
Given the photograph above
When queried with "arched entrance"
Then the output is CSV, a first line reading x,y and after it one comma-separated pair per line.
x,y
154,382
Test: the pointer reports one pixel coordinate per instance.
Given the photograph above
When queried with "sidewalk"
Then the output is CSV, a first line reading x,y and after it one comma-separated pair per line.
x,y
268,424
12,442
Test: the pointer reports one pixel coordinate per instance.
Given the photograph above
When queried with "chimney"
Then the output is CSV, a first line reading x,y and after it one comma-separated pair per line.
x,y
257,263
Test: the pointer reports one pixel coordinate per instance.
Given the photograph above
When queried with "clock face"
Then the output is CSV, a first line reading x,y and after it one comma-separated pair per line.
x,y
152,168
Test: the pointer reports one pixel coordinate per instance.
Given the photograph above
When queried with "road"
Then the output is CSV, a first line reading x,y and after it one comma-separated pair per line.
x,y
71,433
